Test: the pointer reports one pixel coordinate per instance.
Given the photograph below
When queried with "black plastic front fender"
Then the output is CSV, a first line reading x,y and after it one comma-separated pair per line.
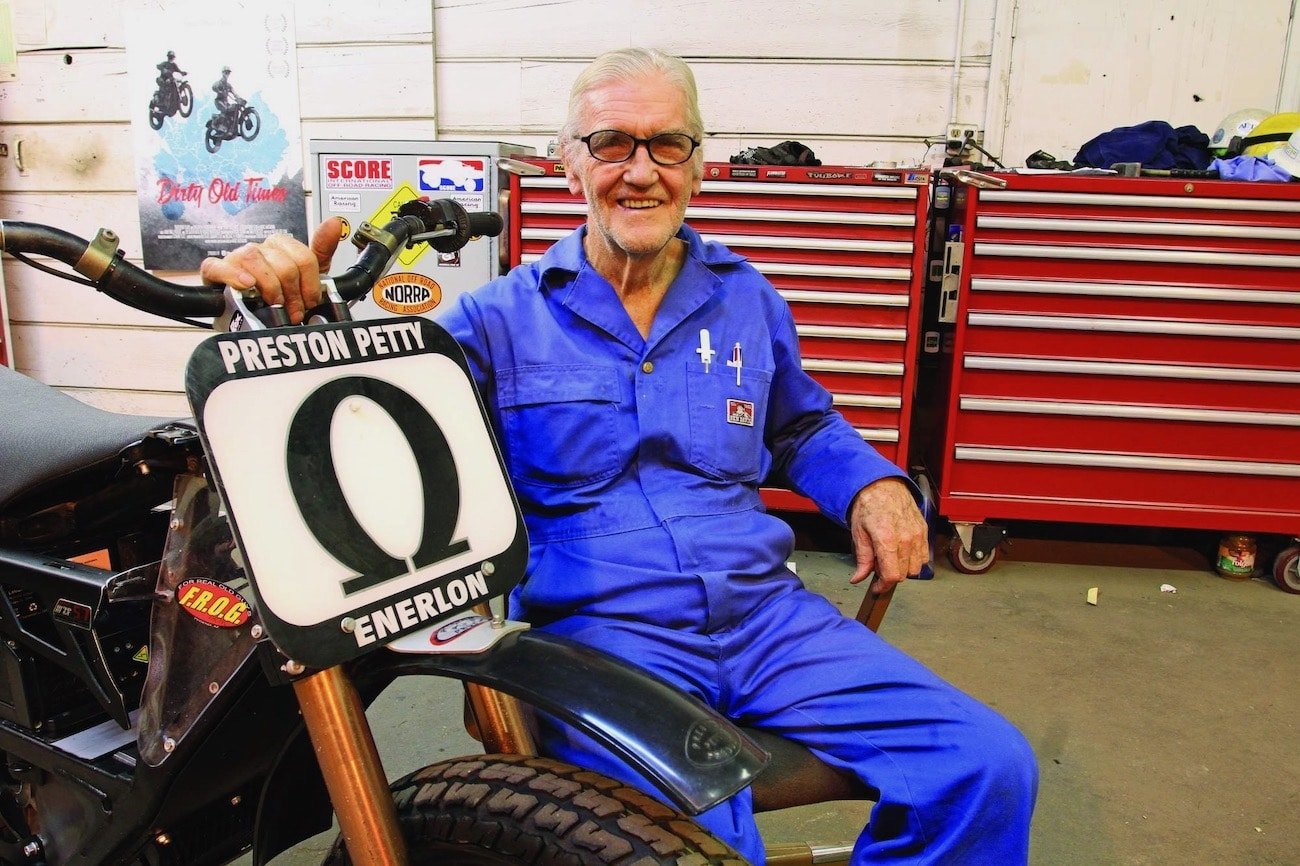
x,y
694,755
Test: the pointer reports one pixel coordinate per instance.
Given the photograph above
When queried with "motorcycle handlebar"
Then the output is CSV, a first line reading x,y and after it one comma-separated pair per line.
x,y
485,223
443,223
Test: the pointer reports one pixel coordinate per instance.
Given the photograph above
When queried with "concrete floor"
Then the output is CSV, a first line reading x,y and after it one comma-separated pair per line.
x,y
1165,724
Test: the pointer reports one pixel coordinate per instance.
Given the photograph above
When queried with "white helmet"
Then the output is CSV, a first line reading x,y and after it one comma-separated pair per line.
x,y
1235,125
1287,156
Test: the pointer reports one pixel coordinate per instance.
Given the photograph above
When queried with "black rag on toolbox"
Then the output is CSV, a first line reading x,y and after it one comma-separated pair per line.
x,y
785,153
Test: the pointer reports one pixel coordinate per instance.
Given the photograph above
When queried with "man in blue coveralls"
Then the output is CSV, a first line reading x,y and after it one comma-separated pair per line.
x,y
636,434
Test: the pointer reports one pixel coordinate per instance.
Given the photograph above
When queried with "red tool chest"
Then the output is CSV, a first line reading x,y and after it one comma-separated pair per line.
x,y
1124,351
843,245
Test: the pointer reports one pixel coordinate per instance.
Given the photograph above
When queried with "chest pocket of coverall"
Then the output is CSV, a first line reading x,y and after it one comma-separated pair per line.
x,y
722,444
559,423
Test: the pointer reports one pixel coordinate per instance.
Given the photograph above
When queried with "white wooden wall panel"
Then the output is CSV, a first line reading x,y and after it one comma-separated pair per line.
x,y
162,404
128,359
59,24
334,83
70,158
80,214
580,29
826,98
1186,62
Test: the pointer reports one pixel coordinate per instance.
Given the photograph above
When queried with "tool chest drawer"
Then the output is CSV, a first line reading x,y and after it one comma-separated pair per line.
x,y
843,245
1127,351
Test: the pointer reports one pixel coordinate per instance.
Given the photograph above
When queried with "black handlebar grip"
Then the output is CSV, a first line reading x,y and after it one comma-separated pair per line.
x,y
487,224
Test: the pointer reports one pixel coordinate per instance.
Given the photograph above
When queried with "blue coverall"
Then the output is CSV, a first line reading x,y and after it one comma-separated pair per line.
x,y
637,466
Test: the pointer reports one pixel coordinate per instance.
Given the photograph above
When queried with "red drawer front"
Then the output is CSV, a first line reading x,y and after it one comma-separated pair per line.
x,y
989,264
883,379
848,309
1128,351
979,489
1271,307
987,422
1043,379
1071,340
860,344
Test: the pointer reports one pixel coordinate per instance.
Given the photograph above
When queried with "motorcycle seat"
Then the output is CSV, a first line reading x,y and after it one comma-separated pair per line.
x,y
48,435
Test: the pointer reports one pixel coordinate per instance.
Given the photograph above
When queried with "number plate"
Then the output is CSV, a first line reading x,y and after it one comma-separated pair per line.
x,y
360,475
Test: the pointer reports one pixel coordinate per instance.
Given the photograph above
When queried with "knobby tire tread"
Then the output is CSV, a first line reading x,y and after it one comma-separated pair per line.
x,y
540,812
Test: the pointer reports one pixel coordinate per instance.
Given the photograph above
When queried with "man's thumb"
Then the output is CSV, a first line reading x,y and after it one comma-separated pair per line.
x,y
325,240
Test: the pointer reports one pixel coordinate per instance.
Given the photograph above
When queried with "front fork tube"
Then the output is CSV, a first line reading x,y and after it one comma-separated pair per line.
x,y
354,776
502,724
500,721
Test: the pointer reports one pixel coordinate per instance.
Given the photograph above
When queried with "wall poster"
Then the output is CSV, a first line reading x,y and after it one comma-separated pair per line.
x,y
215,121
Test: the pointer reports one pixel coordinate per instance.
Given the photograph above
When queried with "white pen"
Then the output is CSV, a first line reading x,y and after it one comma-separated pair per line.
x,y
704,351
735,362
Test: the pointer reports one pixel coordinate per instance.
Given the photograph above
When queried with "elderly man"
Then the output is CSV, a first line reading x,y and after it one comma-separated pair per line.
x,y
636,451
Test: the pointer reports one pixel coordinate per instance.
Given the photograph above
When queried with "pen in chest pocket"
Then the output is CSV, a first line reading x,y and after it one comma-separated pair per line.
x,y
735,362
705,352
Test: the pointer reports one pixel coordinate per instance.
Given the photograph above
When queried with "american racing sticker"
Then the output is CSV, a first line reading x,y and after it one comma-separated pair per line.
x,y
407,294
212,603
740,412
348,202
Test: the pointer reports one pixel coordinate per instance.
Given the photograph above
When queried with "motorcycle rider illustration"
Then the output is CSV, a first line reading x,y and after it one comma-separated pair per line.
x,y
167,71
173,94
234,117
228,101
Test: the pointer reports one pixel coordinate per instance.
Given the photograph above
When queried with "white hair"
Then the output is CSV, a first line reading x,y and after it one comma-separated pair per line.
x,y
626,64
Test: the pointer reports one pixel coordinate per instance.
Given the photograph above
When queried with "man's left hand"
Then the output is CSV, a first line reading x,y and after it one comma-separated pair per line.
x,y
890,536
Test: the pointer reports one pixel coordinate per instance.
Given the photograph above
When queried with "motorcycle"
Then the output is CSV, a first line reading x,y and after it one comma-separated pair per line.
x,y
195,618
240,121
172,97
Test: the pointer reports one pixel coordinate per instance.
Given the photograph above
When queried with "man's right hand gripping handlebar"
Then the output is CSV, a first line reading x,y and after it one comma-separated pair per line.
x,y
283,269
287,273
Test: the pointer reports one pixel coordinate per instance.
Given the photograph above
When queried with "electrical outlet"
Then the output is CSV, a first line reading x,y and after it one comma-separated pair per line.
x,y
964,132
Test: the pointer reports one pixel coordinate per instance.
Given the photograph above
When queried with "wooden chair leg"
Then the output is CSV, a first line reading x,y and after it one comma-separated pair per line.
x,y
873,608
800,854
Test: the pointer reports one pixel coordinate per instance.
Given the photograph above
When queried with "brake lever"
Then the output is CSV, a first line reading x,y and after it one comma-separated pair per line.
x,y
243,313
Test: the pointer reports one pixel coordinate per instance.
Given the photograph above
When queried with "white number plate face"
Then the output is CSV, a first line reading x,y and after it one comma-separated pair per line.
x,y
357,466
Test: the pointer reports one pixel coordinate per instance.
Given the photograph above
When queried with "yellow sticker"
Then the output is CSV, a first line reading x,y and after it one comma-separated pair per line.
x,y
141,655
386,211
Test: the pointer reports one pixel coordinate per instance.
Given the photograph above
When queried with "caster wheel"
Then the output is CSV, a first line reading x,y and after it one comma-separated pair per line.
x,y
967,564
1286,570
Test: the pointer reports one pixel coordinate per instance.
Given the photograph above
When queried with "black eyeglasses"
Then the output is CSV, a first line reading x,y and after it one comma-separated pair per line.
x,y
666,148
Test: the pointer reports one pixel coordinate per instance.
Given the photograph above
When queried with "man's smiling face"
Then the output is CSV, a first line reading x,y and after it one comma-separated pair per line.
x,y
635,207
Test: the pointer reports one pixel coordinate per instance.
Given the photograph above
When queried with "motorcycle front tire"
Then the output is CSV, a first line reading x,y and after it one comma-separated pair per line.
x,y
211,139
501,810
